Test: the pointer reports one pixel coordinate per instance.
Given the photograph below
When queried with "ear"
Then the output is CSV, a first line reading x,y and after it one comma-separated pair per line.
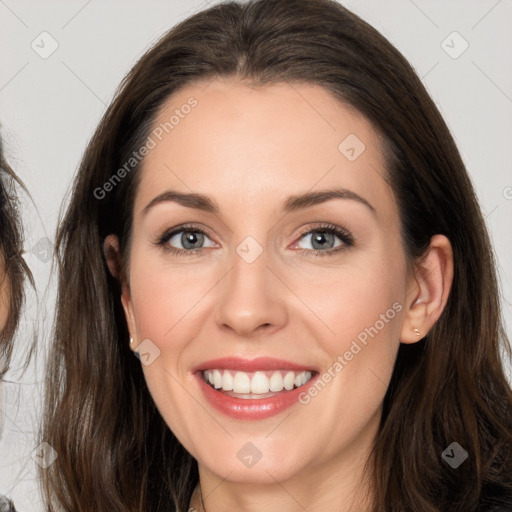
x,y
428,290
115,266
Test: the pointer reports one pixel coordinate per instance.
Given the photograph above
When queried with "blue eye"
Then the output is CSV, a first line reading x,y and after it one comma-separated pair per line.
x,y
191,238
323,239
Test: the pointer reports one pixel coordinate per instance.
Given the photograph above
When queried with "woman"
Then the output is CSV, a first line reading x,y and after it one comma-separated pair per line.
x,y
13,269
268,378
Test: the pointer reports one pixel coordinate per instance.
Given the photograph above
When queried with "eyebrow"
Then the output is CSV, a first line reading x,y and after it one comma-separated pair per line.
x,y
292,203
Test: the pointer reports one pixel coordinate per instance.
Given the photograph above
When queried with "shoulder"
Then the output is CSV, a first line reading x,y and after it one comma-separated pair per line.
x,y
6,505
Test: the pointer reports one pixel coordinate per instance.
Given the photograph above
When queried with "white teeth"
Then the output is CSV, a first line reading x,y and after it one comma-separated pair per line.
x,y
288,380
241,383
276,382
257,383
217,379
227,381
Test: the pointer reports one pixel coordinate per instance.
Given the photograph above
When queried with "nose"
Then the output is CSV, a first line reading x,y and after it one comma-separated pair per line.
x,y
253,299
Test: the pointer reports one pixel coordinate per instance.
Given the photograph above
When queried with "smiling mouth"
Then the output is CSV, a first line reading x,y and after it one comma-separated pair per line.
x,y
254,385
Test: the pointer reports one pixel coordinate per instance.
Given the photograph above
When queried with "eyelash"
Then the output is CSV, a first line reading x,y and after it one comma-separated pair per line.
x,y
342,234
346,238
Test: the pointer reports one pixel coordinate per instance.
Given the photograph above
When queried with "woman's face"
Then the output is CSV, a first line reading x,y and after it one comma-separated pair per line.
x,y
264,281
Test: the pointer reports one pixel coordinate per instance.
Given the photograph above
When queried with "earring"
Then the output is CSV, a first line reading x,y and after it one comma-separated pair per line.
x,y
418,333
131,341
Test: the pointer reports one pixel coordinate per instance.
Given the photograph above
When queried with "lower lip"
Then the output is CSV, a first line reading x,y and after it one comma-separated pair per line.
x,y
252,409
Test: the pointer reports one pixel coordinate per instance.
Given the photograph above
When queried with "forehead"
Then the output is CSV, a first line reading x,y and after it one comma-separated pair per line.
x,y
257,145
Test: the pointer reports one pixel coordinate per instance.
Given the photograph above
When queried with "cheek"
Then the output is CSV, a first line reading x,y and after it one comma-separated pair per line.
x,y
360,310
164,297
365,308
356,300
168,304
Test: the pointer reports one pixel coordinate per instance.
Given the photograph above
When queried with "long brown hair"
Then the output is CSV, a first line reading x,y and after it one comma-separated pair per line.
x,y
115,452
13,268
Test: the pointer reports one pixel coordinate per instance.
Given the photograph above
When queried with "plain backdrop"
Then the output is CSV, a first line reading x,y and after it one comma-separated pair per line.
x,y
50,104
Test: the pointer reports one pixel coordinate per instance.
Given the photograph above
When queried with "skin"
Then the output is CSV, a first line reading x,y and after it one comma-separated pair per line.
x,y
249,149
5,294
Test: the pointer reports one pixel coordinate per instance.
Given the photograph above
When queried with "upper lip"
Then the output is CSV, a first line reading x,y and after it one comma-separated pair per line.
x,y
251,365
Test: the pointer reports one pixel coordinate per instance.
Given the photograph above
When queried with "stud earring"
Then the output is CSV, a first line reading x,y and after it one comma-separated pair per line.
x,y
418,333
131,341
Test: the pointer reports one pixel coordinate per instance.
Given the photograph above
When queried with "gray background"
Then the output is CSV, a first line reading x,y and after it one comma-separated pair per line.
x,y
50,106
